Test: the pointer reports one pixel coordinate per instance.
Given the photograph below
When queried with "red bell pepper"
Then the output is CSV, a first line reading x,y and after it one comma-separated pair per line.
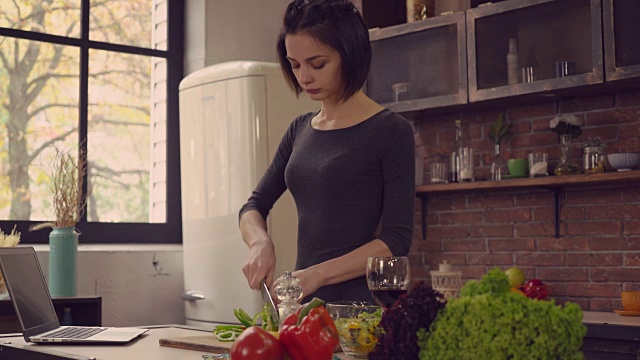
x,y
256,344
309,333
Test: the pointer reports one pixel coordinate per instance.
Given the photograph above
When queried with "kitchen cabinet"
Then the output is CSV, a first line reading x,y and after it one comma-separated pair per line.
x,y
552,183
546,32
419,65
382,13
457,63
621,41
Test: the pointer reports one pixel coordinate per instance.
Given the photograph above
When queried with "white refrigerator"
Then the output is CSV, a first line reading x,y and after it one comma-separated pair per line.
x,y
232,118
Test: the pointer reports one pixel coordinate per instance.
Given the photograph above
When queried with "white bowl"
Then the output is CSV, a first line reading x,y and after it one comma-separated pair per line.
x,y
624,161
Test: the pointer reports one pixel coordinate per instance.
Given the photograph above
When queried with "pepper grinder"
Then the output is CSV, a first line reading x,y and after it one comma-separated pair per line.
x,y
289,292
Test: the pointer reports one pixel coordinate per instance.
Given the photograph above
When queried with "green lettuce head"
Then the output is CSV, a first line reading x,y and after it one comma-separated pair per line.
x,y
489,321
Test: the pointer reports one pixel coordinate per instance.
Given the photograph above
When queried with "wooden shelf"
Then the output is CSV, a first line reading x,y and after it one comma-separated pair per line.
x,y
554,183
545,181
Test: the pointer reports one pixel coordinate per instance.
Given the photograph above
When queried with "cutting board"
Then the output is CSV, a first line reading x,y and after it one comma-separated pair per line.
x,y
207,343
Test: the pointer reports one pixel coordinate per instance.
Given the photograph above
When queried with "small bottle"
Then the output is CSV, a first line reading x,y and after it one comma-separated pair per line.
x,y
513,75
288,291
454,168
497,166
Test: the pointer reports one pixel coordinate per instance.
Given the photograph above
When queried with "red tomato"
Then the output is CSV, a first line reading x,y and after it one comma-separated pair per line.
x,y
535,282
535,289
256,344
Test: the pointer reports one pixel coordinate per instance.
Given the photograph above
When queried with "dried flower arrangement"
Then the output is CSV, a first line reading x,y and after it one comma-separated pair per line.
x,y
66,183
8,240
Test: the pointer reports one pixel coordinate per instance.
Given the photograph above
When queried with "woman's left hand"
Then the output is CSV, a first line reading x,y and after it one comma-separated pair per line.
x,y
309,279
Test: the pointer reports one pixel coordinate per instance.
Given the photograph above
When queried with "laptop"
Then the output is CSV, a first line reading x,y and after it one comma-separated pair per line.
x,y
32,303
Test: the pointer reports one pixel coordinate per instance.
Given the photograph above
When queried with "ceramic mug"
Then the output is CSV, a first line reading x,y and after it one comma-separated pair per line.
x,y
630,300
518,167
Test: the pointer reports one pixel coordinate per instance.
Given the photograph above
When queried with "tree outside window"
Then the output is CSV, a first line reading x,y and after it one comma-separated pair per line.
x,y
96,75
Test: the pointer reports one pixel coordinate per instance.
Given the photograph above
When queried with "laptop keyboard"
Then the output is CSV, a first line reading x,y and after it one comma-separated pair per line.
x,y
75,332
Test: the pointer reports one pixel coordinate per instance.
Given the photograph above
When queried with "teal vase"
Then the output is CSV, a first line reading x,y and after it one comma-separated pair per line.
x,y
63,261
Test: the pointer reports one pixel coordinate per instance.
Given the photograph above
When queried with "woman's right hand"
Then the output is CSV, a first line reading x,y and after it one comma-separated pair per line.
x,y
261,263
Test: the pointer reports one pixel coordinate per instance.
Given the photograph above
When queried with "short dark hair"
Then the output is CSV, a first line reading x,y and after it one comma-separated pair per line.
x,y
338,25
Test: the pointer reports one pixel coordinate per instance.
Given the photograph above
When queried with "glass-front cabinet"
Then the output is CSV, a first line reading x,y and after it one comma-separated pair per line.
x,y
419,65
533,47
621,25
506,53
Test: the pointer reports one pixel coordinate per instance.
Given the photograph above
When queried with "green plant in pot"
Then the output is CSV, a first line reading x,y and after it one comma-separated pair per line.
x,y
67,179
497,132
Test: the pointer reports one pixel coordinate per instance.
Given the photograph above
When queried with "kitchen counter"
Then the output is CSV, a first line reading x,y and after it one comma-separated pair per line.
x,y
13,346
607,334
611,336
610,325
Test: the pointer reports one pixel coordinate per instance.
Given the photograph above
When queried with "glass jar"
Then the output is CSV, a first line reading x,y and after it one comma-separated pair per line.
x,y
566,166
593,155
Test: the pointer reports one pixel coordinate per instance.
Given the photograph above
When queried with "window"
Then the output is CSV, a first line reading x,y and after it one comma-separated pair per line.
x,y
99,76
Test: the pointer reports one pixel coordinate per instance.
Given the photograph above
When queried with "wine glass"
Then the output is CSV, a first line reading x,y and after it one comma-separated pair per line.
x,y
388,278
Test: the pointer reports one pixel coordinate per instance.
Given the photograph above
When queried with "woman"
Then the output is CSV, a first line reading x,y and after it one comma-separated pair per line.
x,y
349,167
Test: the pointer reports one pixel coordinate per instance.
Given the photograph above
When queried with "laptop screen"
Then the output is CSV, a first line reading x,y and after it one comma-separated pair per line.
x,y
27,287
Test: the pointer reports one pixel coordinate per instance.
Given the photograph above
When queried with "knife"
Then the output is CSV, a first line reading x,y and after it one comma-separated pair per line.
x,y
266,297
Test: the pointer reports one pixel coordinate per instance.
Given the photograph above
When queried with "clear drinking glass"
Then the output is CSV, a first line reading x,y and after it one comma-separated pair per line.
x,y
439,173
538,164
388,278
528,74
466,164
401,91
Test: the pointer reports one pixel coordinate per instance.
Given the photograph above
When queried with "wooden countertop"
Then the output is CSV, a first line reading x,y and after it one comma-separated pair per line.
x,y
609,318
604,325
609,325
145,347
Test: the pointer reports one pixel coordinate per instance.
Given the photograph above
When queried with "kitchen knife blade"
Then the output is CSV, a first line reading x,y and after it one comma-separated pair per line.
x,y
266,297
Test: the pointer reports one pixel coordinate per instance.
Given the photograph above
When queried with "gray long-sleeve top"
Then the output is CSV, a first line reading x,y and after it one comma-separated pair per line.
x,y
344,182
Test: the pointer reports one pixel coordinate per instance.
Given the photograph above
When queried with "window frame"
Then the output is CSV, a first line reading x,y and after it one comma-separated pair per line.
x,y
169,232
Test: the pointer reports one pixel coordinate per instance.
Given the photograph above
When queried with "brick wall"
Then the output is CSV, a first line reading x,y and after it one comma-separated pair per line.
x,y
598,253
